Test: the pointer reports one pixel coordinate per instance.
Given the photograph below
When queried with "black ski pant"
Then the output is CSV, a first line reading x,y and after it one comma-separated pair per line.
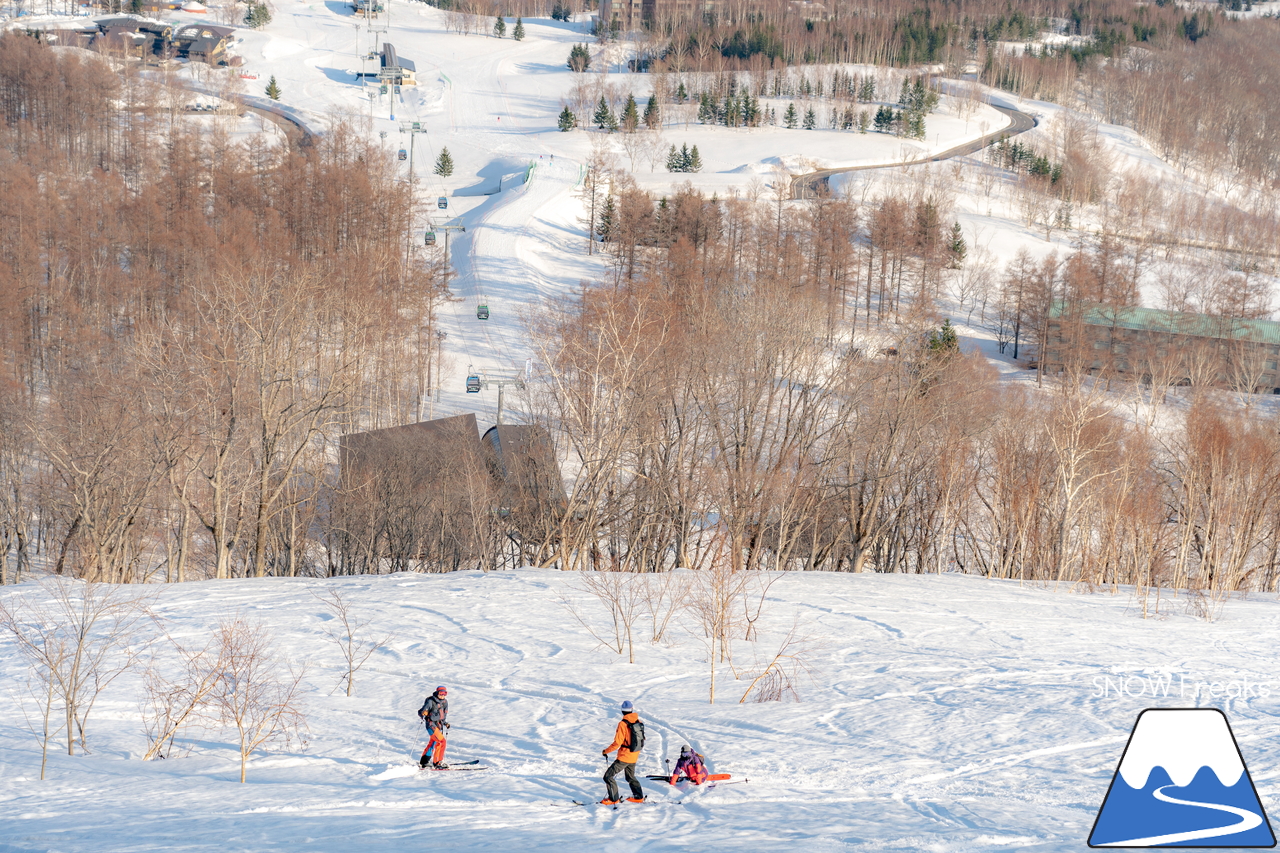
x,y
629,771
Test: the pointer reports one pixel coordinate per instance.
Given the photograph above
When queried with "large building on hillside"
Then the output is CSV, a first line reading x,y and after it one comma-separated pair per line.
x,y
632,14
436,492
1165,347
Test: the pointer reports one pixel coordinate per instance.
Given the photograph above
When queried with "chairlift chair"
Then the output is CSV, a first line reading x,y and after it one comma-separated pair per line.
x,y
430,238
482,312
473,384
442,203
404,155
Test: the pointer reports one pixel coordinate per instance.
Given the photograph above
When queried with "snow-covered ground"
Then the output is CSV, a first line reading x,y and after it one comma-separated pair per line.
x,y
493,103
944,714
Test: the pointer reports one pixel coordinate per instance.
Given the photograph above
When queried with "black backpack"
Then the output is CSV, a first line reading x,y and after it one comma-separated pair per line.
x,y
637,735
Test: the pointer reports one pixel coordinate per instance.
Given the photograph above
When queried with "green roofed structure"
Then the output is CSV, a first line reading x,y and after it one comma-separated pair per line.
x,y
1164,347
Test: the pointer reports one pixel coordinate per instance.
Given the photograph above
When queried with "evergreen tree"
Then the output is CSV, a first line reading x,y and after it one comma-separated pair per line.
x,y
884,118
684,158
864,120
604,115
567,121
1062,217
630,115
810,119
694,163
499,27
273,89
790,116
835,118
682,94
674,163
915,126
560,12
258,16
652,115
957,247
579,58
706,112
607,214
444,164
944,343
518,32
904,97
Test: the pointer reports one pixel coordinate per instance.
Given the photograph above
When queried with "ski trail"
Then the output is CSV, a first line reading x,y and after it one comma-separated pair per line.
x,y
1248,820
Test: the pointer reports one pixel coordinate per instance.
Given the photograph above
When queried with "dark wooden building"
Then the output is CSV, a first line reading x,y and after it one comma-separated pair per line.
x,y
436,495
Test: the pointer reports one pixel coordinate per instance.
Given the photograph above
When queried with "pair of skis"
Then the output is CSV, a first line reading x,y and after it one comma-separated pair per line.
x,y
616,806
461,765
714,777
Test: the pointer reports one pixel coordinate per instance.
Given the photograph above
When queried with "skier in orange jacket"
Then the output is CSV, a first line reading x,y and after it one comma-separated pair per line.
x,y
628,740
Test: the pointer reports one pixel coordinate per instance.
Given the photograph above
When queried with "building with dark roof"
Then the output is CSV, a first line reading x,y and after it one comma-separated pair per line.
x,y
434,494
203,43
397,69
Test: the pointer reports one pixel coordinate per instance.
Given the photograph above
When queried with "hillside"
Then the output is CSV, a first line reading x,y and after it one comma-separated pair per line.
x,y
944,713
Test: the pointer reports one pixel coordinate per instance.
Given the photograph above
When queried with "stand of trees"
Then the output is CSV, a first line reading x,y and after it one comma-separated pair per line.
x,y
187,325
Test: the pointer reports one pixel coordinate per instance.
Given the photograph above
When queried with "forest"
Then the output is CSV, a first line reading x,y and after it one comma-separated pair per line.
x,y
189,326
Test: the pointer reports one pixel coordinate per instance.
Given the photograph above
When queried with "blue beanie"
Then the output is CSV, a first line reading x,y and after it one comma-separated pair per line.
x,y
627,707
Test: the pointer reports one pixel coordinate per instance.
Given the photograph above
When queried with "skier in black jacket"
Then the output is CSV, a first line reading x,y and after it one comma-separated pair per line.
x,y
434,713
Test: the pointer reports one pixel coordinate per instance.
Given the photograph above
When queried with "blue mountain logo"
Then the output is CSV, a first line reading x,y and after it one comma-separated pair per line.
x,y
1182,783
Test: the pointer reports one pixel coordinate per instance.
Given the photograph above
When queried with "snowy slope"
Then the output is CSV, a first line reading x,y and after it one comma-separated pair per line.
x,y
945,714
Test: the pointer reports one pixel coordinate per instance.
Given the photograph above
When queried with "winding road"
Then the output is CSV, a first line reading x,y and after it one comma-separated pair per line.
x,y
814,183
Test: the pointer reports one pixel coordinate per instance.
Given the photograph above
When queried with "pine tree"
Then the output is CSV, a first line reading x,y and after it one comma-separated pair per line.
x,y
957,247
790,116
652,115
864,120
607,214
904,97
604,115
884,118
630,114
518,32
944,343
444,164
579,58
835,118
915,125
499,27
273,89
682,94
810,119
706,112
684,158
1062,217
674,163
258,16
567,121
694,163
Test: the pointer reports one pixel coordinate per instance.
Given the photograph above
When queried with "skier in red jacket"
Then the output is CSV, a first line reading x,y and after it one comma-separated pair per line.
x,y
690,766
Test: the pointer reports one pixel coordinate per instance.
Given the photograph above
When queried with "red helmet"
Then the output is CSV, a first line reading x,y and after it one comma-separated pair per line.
x,y
440,691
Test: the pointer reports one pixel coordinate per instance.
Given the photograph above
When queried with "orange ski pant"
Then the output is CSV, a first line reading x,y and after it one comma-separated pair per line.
x,y
436,743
